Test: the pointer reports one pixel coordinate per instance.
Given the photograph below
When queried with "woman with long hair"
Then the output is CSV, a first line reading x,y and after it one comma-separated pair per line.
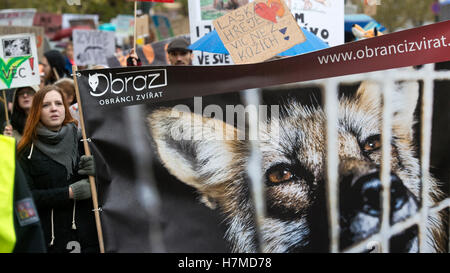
x,y
50,157
22,100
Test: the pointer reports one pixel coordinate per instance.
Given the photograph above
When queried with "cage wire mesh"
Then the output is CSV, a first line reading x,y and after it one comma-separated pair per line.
x,y
386,79
329,88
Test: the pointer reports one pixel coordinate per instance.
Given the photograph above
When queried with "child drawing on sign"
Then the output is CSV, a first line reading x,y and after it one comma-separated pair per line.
x,y
308,5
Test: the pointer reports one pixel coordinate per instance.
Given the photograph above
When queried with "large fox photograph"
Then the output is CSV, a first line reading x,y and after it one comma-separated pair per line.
x,y
206,154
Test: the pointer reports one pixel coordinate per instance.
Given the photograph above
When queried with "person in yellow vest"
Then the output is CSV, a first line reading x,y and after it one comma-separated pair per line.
x,y
20,227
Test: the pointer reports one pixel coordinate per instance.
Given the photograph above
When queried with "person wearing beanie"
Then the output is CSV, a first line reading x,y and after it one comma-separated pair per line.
x,y
56,169
22,100
54,66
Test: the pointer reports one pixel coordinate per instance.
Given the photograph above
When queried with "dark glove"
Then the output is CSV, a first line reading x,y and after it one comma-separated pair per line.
x,y
130,61
86,166
81,189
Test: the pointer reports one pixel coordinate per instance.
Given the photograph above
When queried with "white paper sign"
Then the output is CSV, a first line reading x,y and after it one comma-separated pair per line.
x,y
324,18
17,17
93,46
18,61
201,16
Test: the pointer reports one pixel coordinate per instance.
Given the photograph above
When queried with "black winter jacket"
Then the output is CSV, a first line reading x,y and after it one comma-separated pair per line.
x,y
50,188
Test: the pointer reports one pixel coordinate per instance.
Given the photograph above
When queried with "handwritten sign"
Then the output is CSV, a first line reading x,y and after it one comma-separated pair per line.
x,y
18,61
92,46
258,31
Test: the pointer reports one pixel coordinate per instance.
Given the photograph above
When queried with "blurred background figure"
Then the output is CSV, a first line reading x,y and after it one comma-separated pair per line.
x,y
54,66
22,101
42,75
68,52
68,87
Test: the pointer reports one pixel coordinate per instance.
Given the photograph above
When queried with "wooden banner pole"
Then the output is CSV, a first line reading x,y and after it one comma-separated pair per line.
x,y
6,107
135,16
87,151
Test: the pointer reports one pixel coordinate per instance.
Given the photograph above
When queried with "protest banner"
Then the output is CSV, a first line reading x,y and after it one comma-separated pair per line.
x,y
323,18
165,91
38,32
92,46
258,31
201,16
18,61
51,22
17,17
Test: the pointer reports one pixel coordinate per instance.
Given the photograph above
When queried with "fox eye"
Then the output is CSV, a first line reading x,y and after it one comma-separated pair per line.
x,y
279,175
372,143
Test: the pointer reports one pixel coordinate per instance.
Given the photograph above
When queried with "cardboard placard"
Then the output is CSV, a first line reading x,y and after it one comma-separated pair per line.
x,y
18,61
142,29
38,32
93,46
258,31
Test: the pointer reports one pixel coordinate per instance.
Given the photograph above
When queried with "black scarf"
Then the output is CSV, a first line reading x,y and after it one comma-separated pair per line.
x,y
61,146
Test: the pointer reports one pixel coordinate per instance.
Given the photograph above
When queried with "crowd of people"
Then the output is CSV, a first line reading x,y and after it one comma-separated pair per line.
x,y
44,122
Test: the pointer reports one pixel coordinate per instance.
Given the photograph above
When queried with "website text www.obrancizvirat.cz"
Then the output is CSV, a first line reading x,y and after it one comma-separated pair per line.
x,y
400,48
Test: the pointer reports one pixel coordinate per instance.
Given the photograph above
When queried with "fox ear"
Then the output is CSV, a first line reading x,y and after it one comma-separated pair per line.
x,y
404,102
195,149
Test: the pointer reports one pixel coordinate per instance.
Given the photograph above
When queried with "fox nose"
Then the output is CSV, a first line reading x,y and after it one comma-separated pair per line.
x,y
367,191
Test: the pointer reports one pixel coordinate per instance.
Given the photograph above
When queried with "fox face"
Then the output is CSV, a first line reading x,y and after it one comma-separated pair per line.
x,y
293,155
93,81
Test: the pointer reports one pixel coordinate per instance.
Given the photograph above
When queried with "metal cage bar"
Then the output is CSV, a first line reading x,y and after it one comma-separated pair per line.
x,y
332,187
385,175
252,97
427,119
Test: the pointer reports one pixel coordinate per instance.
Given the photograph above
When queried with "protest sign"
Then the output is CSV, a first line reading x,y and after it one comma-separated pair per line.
x,y
163,27
67,17
17,17
38,32
201,16
92,46
51,22
124,27
324,18
18,61
258,31
82,22
142,29
164,92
